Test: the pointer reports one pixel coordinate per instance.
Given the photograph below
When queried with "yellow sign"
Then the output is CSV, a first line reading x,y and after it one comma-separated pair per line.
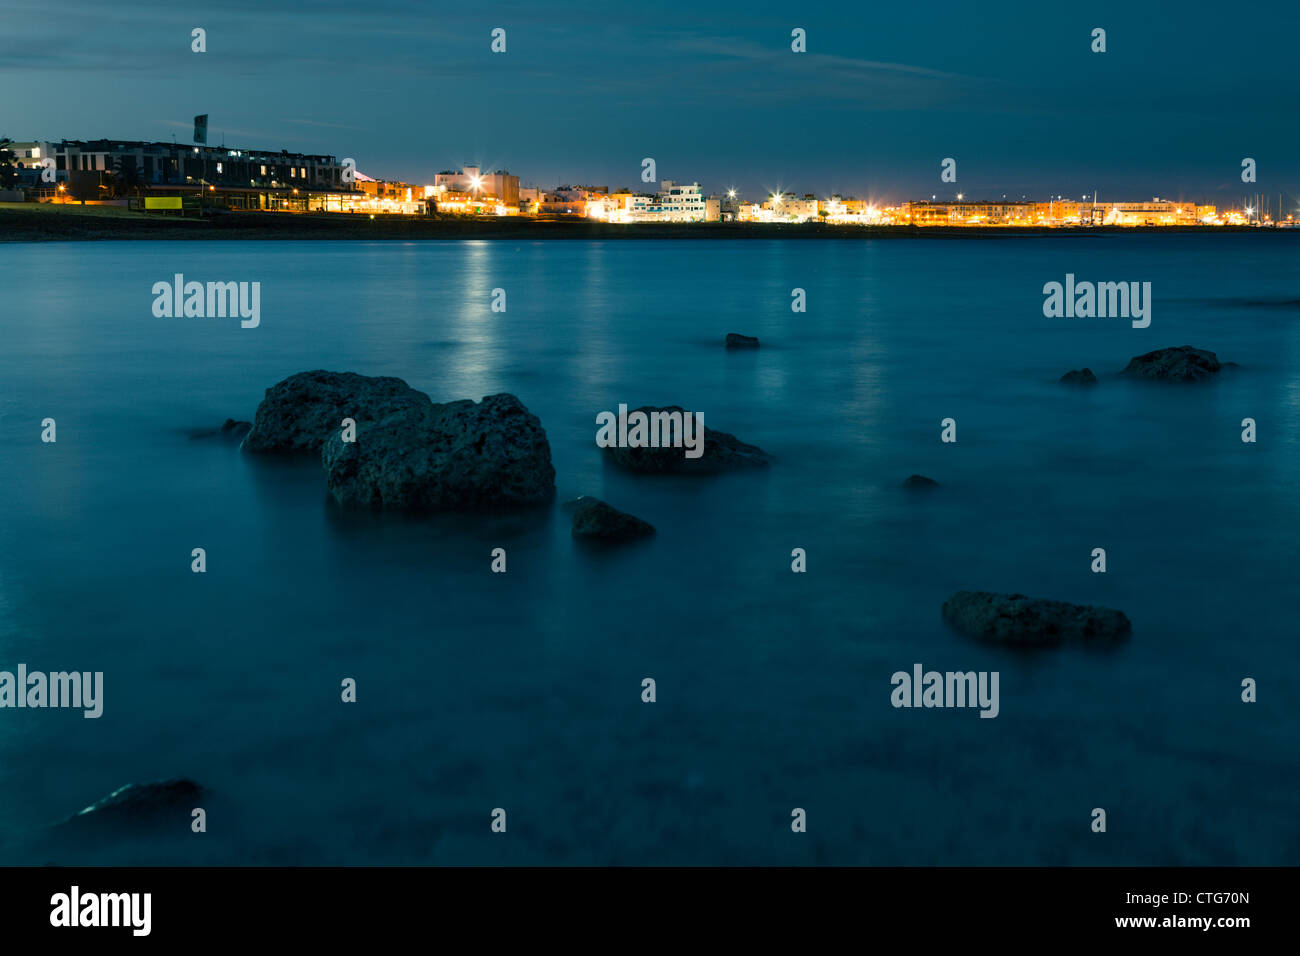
x,y
162,202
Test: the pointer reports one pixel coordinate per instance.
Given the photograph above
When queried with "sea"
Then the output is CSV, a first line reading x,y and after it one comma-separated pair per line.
x,y
522,692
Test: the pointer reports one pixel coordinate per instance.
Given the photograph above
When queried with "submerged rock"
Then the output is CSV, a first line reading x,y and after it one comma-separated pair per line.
x,y
721,452
1017,619
594,519
919,481
459,455
1179,364
230,430
737,341
233,429
301,412
160,804
1079,376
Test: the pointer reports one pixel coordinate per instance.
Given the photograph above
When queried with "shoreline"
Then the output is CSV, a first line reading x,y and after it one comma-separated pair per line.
x,y
43,222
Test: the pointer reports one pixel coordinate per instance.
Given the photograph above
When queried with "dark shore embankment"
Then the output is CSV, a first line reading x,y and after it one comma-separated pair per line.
x,y
32,223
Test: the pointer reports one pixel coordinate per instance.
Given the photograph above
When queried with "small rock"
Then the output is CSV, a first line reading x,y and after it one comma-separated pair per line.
x,y
737,341
594,519
722,452
1079,376
1180,364
233,429
920,481
1020,620
138,805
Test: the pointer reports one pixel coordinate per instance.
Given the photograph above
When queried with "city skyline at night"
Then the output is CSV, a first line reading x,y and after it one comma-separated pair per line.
x,y
872,107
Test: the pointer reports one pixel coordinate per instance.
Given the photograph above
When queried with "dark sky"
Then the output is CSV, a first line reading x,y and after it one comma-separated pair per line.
x,y
711,90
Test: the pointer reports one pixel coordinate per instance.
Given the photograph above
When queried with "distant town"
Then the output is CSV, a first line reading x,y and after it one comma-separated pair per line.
x,y
172,177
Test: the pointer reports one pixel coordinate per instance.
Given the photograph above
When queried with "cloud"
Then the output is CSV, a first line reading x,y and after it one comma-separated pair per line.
x,y
307,122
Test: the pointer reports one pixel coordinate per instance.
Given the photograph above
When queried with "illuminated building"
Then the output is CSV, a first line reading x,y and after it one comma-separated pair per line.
x,y
673,203
1061,212
1157,212
961,213
471,180
239,178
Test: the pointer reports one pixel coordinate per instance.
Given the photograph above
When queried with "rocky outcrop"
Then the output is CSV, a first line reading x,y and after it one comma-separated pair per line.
x,y
164,803
918,482
594,520
235,430
301,412
1079,376
722,452
1180,364
454,456
1016,619
737,341
230,430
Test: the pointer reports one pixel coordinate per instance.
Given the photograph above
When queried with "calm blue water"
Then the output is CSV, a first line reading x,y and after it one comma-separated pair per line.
x,y
522,691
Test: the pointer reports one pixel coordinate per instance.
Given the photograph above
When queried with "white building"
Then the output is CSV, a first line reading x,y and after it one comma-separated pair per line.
x,y
674,203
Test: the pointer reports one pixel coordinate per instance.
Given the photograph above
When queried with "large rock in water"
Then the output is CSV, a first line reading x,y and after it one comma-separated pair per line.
x,y
444,457
1016,619
597,521
162,804
722,452
299,413
1180,364
735,340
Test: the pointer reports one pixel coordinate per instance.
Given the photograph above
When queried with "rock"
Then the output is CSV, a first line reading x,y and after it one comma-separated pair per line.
x,y
737,341
919,481
1079,376
1180,364
593,519
230,430
138,805
722,452
299,413
233,429
456,456
1016,619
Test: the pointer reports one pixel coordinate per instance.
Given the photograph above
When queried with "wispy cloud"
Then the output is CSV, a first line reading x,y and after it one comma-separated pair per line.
x,y
757,53
307,122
